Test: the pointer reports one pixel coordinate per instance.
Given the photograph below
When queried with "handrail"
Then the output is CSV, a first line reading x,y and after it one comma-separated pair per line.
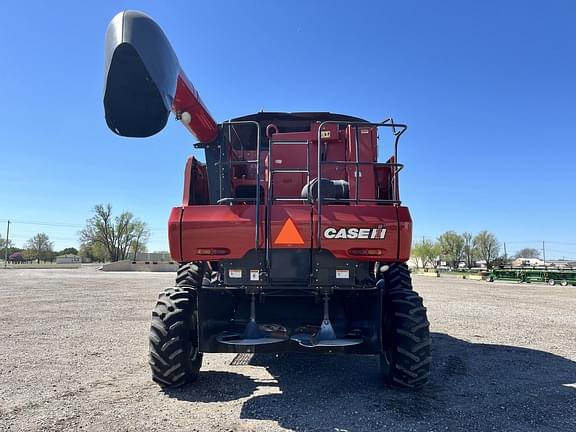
x,y
397,129
258,157
386,123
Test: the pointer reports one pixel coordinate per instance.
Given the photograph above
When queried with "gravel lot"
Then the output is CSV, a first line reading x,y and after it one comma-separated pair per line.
x,y
73,347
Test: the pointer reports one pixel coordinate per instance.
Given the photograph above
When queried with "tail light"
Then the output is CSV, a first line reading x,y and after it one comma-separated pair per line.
x,y
365,252
213,251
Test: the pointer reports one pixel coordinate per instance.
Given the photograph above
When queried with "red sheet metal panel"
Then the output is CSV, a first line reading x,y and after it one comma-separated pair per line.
x,y
359,227
174,234
187,99
217,226
366,153
405,233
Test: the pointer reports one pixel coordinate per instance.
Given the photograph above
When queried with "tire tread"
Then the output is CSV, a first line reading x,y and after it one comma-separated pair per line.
x,y
173,331
410,352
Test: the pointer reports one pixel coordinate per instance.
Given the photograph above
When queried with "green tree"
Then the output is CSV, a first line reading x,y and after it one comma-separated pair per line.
x,y
116,235
417,255
93,252
40,247
500,261
3,244
68,251
452,247
29,255
426,252
12,250
469,251
487,246
49,256
141,237
527,253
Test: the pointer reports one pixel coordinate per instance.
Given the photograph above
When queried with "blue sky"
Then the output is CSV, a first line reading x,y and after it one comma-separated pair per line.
x,y
488,90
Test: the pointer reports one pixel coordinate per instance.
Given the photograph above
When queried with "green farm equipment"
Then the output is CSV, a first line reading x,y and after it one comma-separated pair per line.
x,y
562,277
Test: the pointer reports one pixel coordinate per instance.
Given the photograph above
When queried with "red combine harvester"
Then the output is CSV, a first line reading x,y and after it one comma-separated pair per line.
x,y
290,237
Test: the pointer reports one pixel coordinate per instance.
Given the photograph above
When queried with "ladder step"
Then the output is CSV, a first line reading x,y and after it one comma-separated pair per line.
x,y
289,199
289,170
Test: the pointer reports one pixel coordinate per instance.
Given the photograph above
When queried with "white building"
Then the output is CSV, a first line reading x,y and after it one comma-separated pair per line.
x,y
527,262
68,259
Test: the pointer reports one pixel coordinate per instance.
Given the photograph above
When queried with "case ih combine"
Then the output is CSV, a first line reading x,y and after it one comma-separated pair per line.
x,y
290,237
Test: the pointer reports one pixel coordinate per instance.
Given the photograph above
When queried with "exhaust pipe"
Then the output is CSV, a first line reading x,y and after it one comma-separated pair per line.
x,y
144,82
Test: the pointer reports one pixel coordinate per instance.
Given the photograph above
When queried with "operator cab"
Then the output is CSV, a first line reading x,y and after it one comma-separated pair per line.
x,y
292,150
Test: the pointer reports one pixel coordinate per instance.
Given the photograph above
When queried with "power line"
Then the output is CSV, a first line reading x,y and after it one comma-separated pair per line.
x,y
561,243
59,224
524,241
54,224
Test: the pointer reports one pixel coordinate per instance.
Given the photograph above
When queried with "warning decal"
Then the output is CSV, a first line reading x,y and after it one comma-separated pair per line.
x,y
289,234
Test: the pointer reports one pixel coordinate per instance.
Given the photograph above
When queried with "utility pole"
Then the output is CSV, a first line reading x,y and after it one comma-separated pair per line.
x,y
505,254
6,248
544,253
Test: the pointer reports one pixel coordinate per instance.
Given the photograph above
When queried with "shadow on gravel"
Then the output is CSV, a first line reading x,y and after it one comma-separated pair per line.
x,y
474,386
215,386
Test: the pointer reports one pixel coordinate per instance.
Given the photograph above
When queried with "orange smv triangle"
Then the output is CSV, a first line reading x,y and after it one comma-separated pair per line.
x,y
289,234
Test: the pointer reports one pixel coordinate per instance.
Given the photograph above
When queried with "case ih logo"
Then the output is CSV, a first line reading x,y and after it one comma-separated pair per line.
x,y
355,233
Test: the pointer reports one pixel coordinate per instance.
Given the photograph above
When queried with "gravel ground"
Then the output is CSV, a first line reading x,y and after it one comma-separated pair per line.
x,y
73,347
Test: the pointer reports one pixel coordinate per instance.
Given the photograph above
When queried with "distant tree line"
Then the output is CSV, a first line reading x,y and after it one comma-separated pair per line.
x,y
454,248
104,238
38,248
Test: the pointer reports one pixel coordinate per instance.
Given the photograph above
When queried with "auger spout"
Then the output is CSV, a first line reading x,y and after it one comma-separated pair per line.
x,y
144,82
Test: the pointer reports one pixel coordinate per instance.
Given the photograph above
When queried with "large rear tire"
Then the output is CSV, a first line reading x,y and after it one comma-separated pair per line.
x,y
174,356
190,274
406,356
398,277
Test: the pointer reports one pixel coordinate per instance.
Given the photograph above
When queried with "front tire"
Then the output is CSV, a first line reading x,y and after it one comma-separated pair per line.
x,y
174,356
406,357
